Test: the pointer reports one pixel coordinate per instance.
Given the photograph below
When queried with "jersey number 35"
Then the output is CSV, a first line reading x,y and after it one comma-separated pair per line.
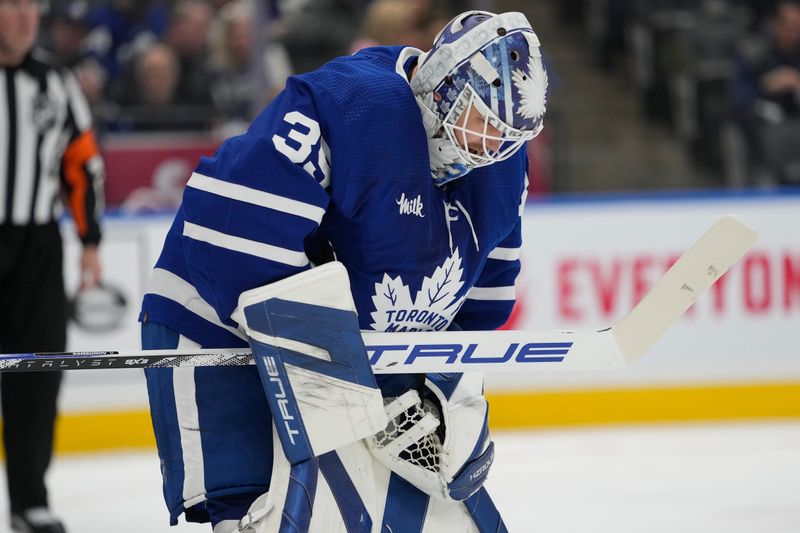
x,y
305,136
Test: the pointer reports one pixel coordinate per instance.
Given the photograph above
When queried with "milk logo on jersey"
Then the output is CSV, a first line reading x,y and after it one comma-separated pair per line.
x,y
410,206
433,308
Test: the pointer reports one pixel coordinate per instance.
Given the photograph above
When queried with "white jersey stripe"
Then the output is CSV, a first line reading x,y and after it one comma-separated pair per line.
x,y
165,283
524,195
184,388
491,293
77,103
255,197
504,254
27,135
50,180
245,246
50,153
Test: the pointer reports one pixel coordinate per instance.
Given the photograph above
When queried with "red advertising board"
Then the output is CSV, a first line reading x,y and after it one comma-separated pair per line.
x,y
148,172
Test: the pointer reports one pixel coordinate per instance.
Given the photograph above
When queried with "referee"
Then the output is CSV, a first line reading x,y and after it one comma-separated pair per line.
x,y
47,151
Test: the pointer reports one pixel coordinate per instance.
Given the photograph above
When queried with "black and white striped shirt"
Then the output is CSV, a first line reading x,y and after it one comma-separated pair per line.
x,y
47,146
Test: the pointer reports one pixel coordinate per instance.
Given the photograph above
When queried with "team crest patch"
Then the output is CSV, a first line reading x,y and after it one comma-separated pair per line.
x,y
44,113
432,309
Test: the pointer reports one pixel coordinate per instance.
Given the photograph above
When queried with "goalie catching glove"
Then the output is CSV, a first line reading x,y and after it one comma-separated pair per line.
x,y
438,442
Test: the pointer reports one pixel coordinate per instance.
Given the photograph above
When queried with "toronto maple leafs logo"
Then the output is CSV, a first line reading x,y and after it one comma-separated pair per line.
x,y
433,308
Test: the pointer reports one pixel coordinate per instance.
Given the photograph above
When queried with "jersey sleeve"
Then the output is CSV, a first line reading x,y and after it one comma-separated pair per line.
x,y
249,210
489,302
82,168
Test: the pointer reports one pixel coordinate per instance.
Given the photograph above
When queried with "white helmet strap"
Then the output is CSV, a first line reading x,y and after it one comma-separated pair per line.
x,y
483,68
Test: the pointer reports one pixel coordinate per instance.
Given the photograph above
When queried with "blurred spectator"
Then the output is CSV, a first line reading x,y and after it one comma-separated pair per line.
x,y
93,80
767,94
187,34
231,52
122,29
67,31
407,22
150,102
157,74
232,56
66,39
315,31
388,22
237,61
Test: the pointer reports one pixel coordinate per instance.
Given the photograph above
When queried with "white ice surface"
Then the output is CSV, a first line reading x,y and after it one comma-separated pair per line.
x,y
722,478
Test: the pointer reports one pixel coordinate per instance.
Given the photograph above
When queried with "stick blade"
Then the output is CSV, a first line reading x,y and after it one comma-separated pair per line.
x,y
696,270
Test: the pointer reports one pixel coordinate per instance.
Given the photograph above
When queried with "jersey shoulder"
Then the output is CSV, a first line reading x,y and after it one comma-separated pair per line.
x,y
361,107
364,84
376,110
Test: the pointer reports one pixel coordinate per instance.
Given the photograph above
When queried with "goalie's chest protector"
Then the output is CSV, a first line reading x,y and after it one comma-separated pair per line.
x,y
412,250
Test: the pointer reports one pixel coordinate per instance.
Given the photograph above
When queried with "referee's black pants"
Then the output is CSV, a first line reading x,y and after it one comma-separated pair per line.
x,y
33,318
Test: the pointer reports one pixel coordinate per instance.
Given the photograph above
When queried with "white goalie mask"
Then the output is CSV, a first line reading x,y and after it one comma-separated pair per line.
x,y
482,91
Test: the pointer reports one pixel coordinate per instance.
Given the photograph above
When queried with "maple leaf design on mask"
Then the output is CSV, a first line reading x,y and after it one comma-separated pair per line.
x,y
532,85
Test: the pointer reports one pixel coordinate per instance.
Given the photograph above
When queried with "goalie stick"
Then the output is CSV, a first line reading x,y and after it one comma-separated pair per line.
x,y
608,348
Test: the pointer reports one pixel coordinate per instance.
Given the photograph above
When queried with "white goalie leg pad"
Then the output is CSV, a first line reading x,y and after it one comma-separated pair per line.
x,y
339,505
308,347
339,492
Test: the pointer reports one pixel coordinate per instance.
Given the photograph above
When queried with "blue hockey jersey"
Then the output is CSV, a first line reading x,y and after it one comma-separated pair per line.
x,y
336,167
